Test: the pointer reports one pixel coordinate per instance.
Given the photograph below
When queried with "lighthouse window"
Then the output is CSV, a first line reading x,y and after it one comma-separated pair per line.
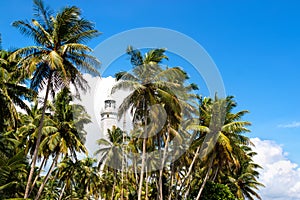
x,y
107,115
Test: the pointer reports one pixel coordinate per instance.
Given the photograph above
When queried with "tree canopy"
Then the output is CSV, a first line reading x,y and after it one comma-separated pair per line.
x,y
203,148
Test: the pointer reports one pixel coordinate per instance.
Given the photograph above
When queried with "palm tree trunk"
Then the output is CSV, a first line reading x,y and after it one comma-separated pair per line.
x,y
37,176
38,141
172,181
134,163
87,193
158,177
162,167
114,185
187,192
47,177
123,157
147,187
142,170
143,155
216,173
62,192
205,179
189,172
160,185
122,189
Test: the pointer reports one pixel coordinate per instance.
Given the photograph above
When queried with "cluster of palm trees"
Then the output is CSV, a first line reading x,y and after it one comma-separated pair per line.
x,y
174,153
181,146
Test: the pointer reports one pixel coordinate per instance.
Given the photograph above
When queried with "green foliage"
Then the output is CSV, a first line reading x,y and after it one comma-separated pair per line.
x,y
214,191
13,173
219,159
57,60
227,164
217,191
12,93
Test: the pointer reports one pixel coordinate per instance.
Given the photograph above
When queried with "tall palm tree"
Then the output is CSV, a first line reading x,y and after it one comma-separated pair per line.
x,y
220,146
150,85
58,55
66,138
69,119
28,133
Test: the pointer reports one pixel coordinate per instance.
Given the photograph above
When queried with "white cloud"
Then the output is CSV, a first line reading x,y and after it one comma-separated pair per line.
x,y
290,125
280,176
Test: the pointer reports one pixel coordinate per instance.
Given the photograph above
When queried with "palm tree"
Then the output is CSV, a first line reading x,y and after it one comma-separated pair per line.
x,y
109,147
150,85
220,146
28,130
58,55
79,179
87,179
64,173
244,180
111,152
27,134
228,146
69,120
66,138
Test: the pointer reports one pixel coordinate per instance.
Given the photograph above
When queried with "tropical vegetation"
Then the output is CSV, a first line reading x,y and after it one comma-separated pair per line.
x,y
181,145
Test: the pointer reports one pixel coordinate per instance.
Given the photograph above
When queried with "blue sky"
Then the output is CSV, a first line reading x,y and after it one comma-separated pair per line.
x,y
255,45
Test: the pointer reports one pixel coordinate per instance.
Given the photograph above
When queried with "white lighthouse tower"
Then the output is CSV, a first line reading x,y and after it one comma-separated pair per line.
x,y
108,115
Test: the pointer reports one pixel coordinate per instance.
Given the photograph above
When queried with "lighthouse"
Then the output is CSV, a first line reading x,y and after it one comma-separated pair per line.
x,y
108,116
